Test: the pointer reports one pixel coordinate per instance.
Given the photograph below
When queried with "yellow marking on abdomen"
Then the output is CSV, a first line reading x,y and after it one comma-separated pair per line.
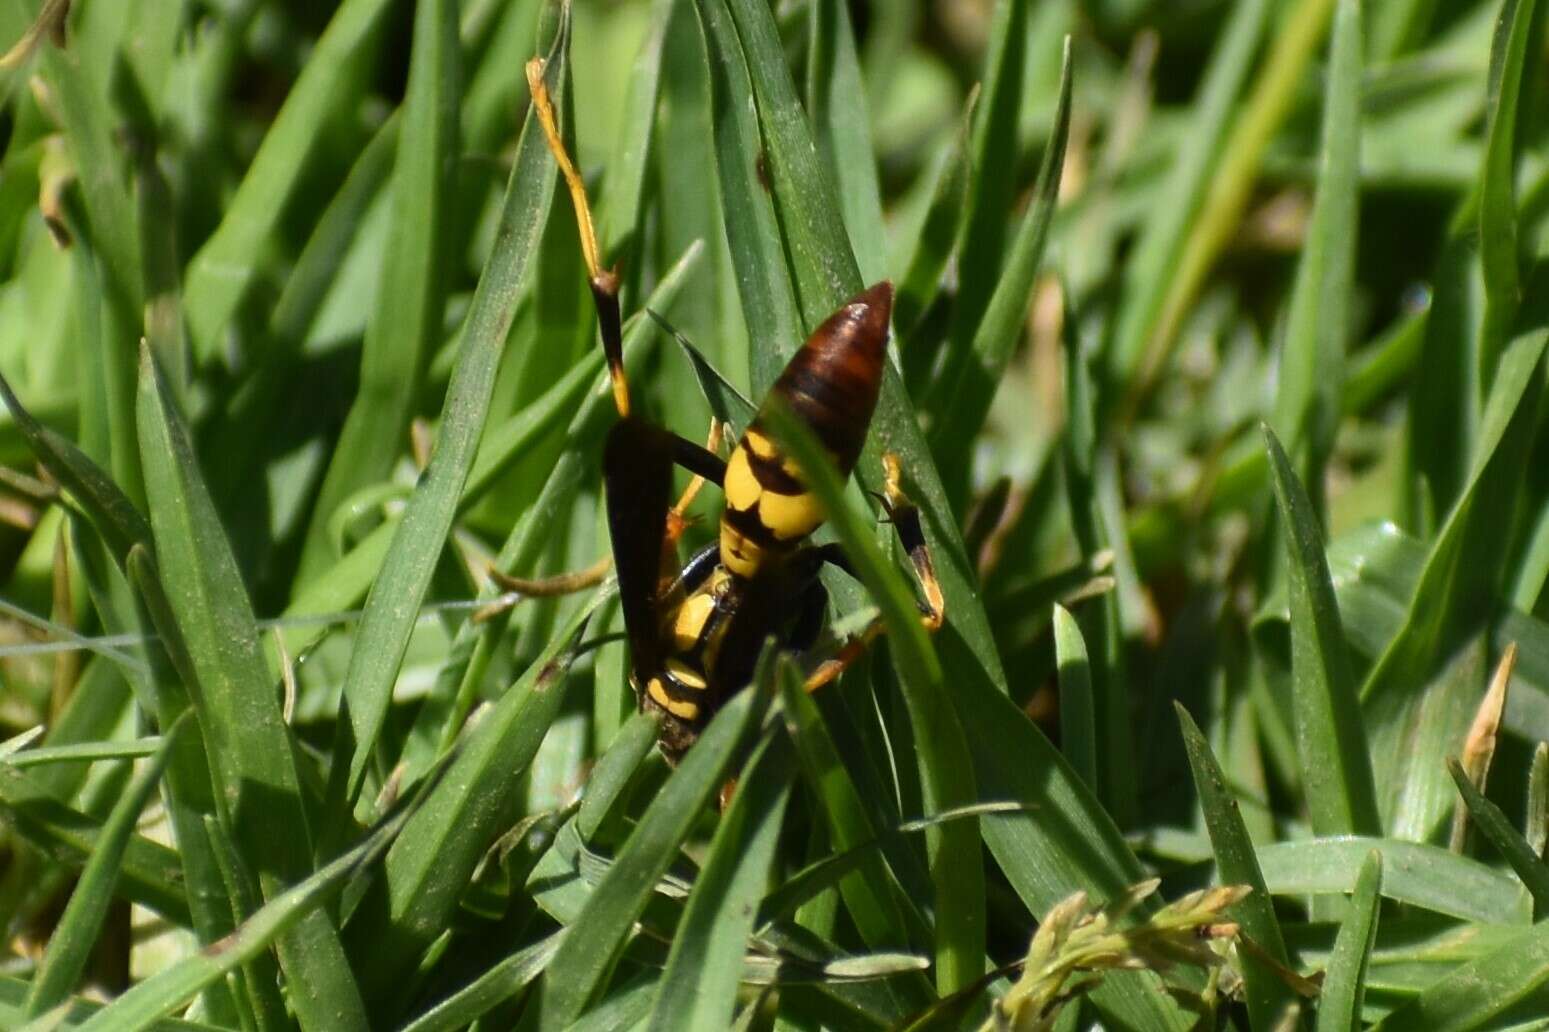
x,y
739,554
790,517
741,486
762,446
686,675
690,621
680,708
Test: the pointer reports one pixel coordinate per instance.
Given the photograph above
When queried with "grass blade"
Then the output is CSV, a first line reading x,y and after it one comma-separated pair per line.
x,y
1424,876
585,959
968,379
1453,591
836,104
1078,728
920,278
1152,267
383,635
752,231
1496,827
165,992
1312,359
1339,1007
220,274
991,194
407,319
501,982
1330,737
1498,247
253,767
946,771
698,989
1471,994
113,515
425,872
73,938
1267,994
149,874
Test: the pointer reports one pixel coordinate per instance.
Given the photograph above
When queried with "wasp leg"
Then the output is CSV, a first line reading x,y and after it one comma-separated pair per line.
x,y
514,589
905,517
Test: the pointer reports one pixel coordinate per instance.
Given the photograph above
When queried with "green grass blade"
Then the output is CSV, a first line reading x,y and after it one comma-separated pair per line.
x,y
1067,843
946,771
872,895
581,967
698,989
506,443
1330,737
1267,994
85,752
1454,590
111,215
1078,728
76,933
425,873
920,277
1498,247
1344,987
624,189
836,104
1292,44
149,874
614,770
253,763
1152,266
1471,994
406,322
383,635
495,986
1312,360
1537,829
991,193
752,231
821,259
165,992
1507,840
726,402
1444,398
821,874
220,274
112,513
1424,876
969,378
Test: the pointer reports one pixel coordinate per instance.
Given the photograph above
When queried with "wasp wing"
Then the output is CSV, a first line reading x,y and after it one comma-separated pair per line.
x,y
637,478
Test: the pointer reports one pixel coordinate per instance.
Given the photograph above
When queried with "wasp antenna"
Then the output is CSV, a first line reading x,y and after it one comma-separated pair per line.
x,y
544,105
604,282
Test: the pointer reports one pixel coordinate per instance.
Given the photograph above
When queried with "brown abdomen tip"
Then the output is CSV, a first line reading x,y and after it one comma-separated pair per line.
x,y
833,381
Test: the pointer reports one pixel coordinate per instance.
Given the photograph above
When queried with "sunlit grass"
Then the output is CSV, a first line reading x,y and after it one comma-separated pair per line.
x,y
1217,374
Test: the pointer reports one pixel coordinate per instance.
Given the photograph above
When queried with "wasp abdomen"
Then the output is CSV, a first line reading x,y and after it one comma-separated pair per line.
x,y
831,384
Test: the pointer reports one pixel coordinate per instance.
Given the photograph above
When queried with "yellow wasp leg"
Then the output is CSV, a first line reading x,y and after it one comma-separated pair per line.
x,y
905,516
604,282
518,588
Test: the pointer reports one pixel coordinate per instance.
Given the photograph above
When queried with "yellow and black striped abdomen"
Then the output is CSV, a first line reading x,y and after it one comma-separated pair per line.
x,y
831,385
684,689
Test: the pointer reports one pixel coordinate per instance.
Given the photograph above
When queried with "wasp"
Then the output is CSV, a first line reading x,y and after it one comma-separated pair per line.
x,y
695,631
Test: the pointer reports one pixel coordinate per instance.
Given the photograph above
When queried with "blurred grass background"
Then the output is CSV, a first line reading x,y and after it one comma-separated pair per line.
x,y
1218,361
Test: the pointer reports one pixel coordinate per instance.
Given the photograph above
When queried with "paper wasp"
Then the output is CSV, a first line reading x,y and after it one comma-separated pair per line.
x,y
695,631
